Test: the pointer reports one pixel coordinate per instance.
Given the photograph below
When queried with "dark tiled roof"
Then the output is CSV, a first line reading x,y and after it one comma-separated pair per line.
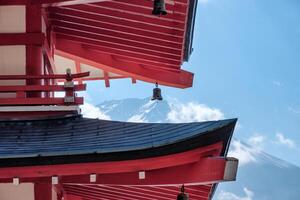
x,y
81,136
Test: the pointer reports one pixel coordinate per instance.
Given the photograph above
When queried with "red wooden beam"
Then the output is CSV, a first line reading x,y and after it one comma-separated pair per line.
x,y
206,170
47,51
39,2
34,52
120,28
98,192
139,56
130,190
65,2
110,33
181,79
97,195
9,88
117,21
106,79
134,192
13,2
78,70
21,38
102,78
38,101
47,76
112,167
166,53
147,19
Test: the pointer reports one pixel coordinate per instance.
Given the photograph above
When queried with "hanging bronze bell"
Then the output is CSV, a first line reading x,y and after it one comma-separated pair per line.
x,y
156,93
159,7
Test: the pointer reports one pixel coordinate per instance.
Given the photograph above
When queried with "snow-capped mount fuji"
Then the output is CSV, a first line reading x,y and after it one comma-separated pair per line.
x,y
145,110
136,110
261,176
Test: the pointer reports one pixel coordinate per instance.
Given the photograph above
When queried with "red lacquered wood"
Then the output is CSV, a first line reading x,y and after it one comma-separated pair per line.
x,y
116,167
38,101
47,76
40,88
21,38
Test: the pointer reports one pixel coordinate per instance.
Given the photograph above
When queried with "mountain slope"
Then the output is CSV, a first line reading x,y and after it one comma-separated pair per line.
x,y
263,178
260,176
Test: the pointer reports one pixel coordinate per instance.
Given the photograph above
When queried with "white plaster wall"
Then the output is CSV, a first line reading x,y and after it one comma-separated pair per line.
x,y
24,191
12,19
62,64
12,62
12,58
94,72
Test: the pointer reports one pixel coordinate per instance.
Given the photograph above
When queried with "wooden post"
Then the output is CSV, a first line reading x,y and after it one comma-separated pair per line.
x,y
42,191
34,52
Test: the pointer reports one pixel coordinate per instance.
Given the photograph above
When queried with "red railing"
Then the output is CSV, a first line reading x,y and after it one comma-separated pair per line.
x,y
22,91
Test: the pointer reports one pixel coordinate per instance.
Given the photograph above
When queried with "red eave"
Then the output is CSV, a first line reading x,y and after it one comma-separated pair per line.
x,y
120,179
138,44
124,36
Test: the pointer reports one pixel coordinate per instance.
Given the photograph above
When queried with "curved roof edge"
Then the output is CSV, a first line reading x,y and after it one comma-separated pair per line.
x,y
79,140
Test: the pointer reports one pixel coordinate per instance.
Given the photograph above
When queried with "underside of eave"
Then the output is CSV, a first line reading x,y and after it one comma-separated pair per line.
x,y
125,38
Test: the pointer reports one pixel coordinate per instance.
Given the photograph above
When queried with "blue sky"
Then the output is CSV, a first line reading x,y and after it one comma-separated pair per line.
x,y
246,61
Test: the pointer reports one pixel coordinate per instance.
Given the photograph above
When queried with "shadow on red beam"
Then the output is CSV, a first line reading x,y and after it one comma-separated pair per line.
x,y
46,76
181,79
21,38
205,171
209,170
38,101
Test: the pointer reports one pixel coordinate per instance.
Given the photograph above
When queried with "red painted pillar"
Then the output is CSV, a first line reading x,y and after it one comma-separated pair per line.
x,y
42,191
34,52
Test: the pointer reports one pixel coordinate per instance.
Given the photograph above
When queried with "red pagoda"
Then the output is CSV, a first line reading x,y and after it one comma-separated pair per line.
x,y
48,151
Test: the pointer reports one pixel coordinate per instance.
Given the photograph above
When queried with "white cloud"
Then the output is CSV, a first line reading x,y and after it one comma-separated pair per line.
x,y
277,83
281,139
256,141
242,152
90,111
193,112
230,196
